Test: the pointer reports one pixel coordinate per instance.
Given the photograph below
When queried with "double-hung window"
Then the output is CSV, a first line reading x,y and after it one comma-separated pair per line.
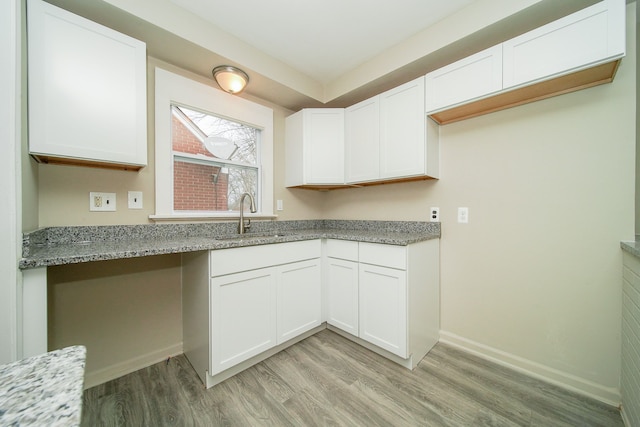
x,y
211,147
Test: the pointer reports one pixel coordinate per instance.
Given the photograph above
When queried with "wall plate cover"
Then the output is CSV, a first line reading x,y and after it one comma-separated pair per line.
x,y
102,202
463,215
134,199
434,214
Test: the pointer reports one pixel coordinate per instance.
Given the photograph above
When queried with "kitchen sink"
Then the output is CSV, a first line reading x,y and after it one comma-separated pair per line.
x,y
251,236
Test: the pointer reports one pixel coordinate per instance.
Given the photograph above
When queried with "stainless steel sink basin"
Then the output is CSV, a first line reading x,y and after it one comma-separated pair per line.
x,y
251,236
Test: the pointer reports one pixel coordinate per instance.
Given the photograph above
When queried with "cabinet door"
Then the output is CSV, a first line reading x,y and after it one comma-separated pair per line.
x,y
324,145
299,298
402,131
243,317
342,294
383,308
362,141
87,90
592,35
472,77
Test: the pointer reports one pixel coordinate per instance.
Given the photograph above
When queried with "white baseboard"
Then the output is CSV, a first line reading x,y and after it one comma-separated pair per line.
x,y
610,396
625,419
112,372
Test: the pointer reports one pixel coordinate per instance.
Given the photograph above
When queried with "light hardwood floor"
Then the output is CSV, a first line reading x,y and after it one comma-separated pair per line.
x,y
327,380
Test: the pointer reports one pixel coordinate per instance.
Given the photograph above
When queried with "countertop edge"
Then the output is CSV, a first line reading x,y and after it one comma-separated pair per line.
x,y
73,253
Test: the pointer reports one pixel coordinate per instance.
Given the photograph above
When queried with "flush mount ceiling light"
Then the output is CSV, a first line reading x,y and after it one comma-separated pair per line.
x,y
230,79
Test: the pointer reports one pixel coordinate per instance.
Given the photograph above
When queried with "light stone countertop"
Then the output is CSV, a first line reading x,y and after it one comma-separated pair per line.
x,y
43,390
68,245
632,247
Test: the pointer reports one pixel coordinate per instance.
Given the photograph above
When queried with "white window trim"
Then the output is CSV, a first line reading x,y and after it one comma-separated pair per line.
x,y
175,89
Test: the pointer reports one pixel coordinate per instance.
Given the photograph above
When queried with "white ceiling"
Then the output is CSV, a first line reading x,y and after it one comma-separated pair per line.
x,y
323,39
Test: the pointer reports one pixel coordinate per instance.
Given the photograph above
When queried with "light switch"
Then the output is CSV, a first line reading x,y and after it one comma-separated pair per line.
x,y
135,199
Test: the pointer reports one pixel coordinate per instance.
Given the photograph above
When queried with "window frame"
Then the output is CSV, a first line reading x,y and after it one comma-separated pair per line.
x,y
175,89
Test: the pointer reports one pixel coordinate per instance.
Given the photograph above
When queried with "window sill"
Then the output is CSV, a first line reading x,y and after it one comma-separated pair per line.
x,y
195,217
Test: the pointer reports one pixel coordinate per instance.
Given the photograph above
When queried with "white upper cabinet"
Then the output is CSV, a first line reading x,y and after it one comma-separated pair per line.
x,y
585,38
388,137
314,141
87,91
472,77
403,134
362,141
578,51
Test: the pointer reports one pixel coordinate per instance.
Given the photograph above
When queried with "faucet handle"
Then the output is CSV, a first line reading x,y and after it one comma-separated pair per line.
x,y
247,224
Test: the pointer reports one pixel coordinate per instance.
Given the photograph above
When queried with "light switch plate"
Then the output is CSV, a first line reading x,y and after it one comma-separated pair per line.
x,y
134,199
102,202
279,205
463,215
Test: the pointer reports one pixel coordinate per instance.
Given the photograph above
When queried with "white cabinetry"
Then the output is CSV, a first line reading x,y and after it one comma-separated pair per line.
x,y
342,285
243,317
362,141
389,300
388,137
299,298
314,147
87,91
593,35
383,308
241,304
403,133
472,77
578,51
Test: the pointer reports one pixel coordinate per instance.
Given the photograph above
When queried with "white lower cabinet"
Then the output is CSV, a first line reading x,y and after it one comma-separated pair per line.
x,y
386,297
383,308
241,305
342,285
243,317
299,298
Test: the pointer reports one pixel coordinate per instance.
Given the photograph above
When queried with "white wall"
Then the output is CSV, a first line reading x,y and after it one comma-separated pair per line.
x,y
534,279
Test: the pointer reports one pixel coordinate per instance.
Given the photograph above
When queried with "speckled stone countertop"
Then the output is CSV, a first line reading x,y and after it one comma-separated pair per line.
x,y
43,390
68,245
633,247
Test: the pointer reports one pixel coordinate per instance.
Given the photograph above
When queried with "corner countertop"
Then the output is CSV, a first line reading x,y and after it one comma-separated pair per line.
x,y
68,245
43,390
632,247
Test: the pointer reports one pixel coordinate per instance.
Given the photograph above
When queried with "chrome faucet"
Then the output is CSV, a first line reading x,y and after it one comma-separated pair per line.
x,y
242,227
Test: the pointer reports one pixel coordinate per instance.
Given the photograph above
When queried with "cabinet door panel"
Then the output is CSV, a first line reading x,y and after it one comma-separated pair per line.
x,y
324,145
243,317
472,77
362,141
585,37
87,89
402,131
299,298
383,308
342,294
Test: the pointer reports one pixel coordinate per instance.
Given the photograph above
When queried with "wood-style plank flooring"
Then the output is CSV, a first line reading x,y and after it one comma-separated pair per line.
x,y
326,380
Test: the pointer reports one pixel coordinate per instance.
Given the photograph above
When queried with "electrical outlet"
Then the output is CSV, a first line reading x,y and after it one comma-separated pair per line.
x,y
135,199
102,202
434,214
463,215
279,205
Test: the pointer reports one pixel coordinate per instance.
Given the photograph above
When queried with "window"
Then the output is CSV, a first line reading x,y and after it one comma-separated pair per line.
x,y
211,147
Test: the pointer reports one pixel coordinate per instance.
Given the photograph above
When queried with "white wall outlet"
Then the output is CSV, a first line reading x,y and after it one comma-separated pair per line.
x,y
279,205
102,202
463,215
434,214
134,199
